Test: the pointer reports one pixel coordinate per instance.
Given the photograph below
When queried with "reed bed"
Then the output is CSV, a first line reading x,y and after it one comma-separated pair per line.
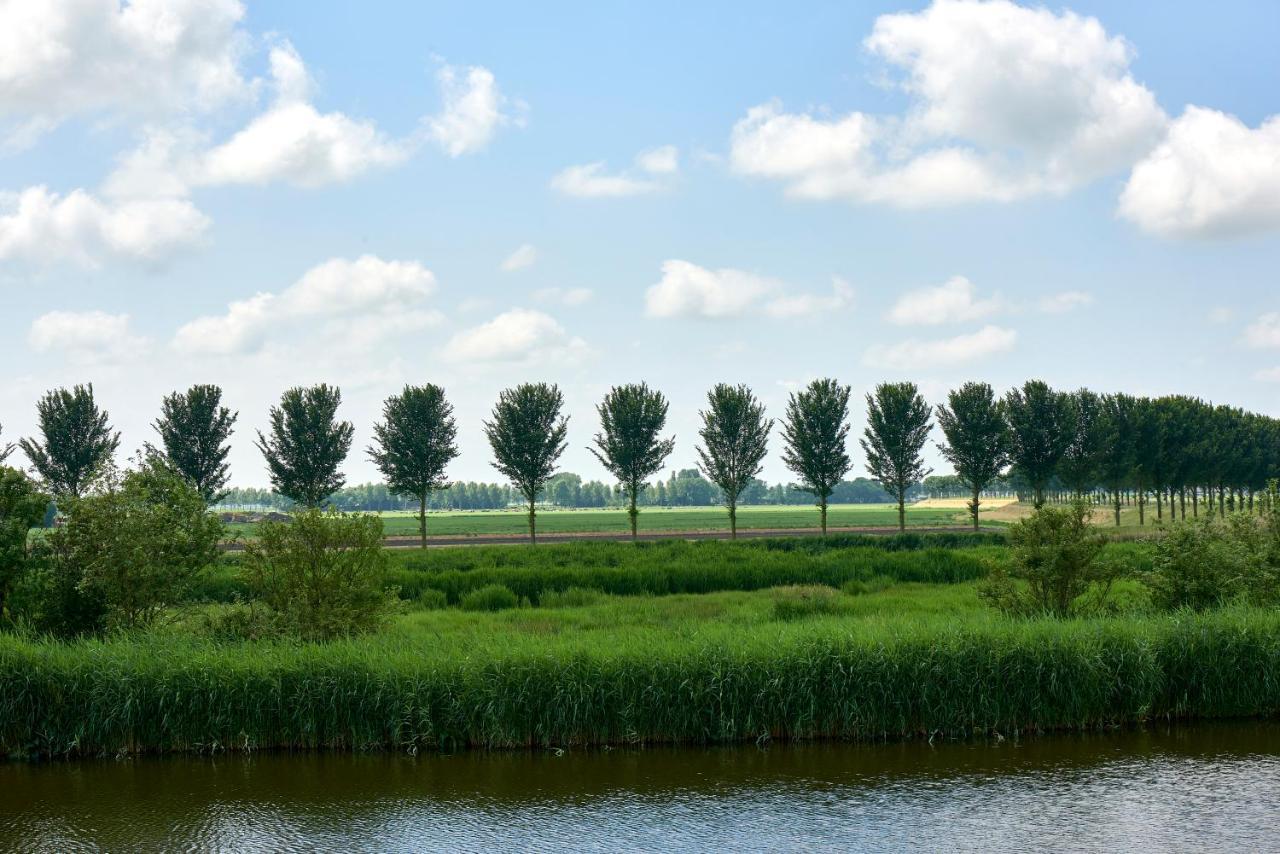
x,y
721,681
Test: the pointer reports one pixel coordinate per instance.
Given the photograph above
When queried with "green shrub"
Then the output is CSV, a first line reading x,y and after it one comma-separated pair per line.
x,y
574,597
491,597
874,584
321,575
431,600
22,506
798,602
1205,563
1054,564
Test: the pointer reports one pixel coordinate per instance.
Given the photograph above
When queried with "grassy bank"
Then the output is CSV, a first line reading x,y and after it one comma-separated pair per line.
x,y
908,661
662,568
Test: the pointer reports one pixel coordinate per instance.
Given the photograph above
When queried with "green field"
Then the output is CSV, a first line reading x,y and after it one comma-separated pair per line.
x,y
696,642
613,520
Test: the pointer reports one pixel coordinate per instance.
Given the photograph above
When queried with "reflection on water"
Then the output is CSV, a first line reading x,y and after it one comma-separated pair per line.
x,y
1195,788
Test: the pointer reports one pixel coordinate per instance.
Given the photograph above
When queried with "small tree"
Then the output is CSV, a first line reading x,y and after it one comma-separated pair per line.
x,y
897,428
735,438
527,435
1039,432
1054,563
22,506
194,428
977,438
815,432
321,575
78,441
307,444
629,445
136,545
415,443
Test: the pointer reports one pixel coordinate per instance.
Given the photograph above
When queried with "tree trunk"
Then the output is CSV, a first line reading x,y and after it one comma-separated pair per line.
x,y
422,518
822,507
973,508
633,512
533,534
733,519
902,510
1116,505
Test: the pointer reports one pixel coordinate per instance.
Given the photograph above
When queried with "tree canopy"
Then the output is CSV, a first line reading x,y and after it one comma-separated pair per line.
x,y
977,443
527,435
414,444
815,431
194,430
629,444
77,441
897,428
735,439
306,444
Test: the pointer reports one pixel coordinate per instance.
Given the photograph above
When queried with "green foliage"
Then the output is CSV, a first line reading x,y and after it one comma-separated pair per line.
x,y
491,597
897,428
629,445
126,554
527,435
415,443
432,600
1054,564
735,438
320,575
22,506
194,430
5,449
573,597
307,444
796,603
1207,562
1039,432
1081,459
78,441
814,435
874,584
977,438
1117,445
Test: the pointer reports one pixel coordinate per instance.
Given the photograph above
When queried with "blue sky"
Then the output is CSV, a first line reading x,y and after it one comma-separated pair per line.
x,y
263,196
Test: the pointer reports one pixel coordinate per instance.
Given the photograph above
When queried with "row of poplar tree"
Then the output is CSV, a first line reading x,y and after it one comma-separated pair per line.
x,y
1115,445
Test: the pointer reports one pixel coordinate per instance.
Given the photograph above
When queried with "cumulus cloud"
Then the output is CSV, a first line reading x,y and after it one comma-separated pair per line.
x,y
522,259
518,335
564,296
473,110
916,354
1212,176
41,227
357,301
1065,301
593,180
86,336
150,58
1005,102
954,301
688,290
1264,333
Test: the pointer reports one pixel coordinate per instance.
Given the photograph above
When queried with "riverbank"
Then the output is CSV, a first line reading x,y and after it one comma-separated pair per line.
x,y
910,661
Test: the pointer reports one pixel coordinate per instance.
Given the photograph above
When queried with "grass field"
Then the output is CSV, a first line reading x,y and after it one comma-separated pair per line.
x,y
683,519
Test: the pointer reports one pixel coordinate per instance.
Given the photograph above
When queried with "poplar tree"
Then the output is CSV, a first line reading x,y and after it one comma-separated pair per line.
x,y
307,444
629,445
527,435
194,429
78,441
1117,445
977,443
414,444
1039,432
897,428
1078,468
815,433
735,438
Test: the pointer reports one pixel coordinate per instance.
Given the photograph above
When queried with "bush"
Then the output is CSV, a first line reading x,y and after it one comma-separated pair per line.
x,y
491,597
1053,565
432,600
574,597
795,603
1204,563
22,506
874,584
321,575
126,554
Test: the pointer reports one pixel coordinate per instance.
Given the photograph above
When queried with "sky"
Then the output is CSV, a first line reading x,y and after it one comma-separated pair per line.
x,y
478,195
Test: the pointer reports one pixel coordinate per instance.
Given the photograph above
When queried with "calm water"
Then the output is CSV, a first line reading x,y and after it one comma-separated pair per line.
x,y
1204,788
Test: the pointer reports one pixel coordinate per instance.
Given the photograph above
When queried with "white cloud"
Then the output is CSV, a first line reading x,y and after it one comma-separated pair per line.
x,y
664,160
473,110
592,181
86,336
41,227
60,58
954,301
688,290
1005,102
915,354
1212,176
1065,301
1268,375
517,335
364,298
564,296
521,259
1264,333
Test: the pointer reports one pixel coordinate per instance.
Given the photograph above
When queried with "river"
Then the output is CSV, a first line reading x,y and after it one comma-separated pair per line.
x,y
1210,787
